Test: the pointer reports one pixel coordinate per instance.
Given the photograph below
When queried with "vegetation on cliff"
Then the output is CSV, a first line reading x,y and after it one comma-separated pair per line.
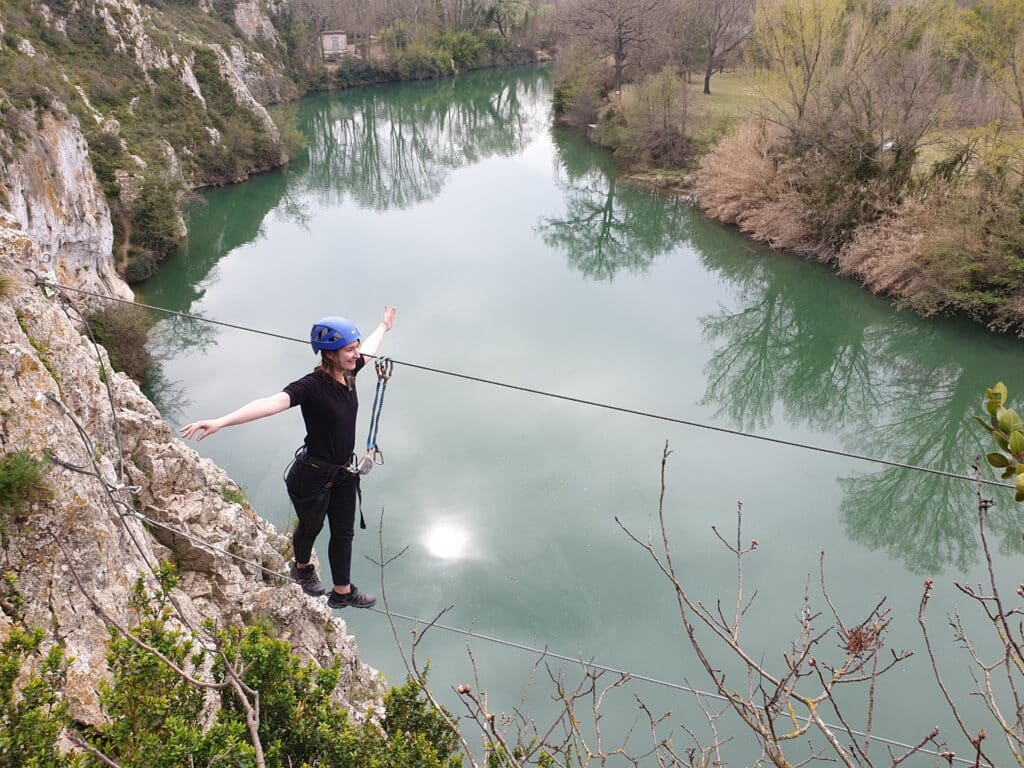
x,y
158,709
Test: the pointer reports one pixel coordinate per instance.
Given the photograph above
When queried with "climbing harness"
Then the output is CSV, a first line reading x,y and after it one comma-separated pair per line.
x,y
356,467
302,456
384,366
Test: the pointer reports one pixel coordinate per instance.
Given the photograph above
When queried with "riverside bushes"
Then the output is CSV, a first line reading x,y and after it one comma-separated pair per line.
x,y
953,246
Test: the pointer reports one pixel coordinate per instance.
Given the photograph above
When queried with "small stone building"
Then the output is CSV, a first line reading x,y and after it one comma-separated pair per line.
x,y
334,44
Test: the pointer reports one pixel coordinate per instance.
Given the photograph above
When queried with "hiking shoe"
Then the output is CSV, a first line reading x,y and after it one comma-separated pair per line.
x,y
307,579
355,598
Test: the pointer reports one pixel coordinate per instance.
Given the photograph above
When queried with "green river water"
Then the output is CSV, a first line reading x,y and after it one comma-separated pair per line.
x,y
513,253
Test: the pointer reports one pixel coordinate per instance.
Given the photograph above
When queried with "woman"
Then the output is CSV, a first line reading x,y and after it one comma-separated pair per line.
x,y
318,482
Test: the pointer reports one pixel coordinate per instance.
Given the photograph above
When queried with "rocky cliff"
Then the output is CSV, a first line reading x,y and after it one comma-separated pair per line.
x,y
50,385
114,109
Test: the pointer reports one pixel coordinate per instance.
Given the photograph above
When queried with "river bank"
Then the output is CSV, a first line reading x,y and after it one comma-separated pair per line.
x,y
947,241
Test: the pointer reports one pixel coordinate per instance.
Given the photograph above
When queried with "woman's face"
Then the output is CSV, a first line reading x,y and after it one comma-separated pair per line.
x,y
348,356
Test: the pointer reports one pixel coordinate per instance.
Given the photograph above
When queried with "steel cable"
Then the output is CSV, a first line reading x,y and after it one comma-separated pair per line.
x,y
577,400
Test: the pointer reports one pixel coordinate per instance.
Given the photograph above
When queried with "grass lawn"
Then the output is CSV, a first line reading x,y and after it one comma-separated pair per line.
x,y
735,95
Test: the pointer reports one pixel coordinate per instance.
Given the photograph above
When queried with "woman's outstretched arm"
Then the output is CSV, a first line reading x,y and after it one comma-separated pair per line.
x,y
371,344
257,409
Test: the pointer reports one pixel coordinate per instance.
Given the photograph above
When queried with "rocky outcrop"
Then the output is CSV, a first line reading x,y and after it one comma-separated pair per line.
x,y
267,85
54,195
130,466
252,23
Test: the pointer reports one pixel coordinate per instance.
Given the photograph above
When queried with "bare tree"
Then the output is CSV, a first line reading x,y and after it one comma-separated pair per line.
x,y
774,703
572,737
614,28
724,26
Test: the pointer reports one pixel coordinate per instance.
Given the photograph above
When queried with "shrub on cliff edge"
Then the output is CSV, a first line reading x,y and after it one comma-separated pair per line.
x,y
122,329
21,483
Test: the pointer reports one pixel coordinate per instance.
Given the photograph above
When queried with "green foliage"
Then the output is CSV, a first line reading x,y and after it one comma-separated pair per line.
x,y
5,285
140,267
418,61
995,37
233,495
21,483
410,714
157,719
1007,429
579,85
302,724
285,117
29,726
656,122
155,714
155,224
106,155
122,329
465,47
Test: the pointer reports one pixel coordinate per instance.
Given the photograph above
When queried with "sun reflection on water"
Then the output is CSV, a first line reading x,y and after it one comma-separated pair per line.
x,y
447,539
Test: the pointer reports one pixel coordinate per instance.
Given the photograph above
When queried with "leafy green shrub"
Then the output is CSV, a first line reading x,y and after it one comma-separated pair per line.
x,y
464,47
30,725
157,719
21,482
579,85
420,62
233,495
285,117
155,715
106,155
140,267
1007,429
123,329
155,224
656,123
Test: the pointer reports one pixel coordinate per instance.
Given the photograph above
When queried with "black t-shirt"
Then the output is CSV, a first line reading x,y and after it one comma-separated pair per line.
x,y
329,411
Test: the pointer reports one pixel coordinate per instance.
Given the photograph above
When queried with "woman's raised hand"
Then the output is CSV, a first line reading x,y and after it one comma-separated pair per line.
x,y
200,428
389,317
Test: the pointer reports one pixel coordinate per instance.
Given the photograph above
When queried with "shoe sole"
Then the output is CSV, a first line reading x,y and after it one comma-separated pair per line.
x,y
349,605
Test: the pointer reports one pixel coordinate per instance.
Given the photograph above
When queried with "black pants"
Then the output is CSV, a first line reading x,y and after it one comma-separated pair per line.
x,y
319,492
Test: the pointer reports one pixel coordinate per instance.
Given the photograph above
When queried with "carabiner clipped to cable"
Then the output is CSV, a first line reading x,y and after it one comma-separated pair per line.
x,y
384,367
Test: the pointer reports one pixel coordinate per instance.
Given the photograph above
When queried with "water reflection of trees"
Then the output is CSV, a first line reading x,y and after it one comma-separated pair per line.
x,y
395,147
386,147
608,226
883,384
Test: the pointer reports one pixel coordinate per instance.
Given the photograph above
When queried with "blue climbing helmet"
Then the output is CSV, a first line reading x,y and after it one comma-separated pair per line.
x,y
333,333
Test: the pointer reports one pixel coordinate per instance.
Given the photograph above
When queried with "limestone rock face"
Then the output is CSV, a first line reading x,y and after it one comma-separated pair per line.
x,y
244,97
253,23
93,527
267,85
55,196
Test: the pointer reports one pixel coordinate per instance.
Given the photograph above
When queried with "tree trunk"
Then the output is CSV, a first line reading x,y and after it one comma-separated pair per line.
x,y
707,79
